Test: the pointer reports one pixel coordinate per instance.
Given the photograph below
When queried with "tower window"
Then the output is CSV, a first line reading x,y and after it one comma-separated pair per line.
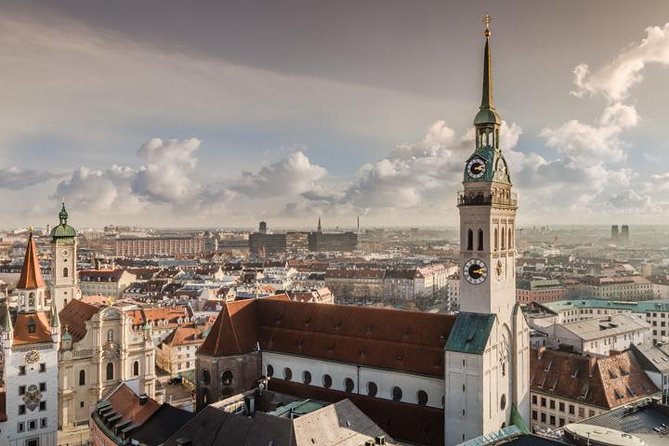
x,y
503,245
110,371
470,240
226,378
65,272
110,335
495,239
135,368
510,243
82,377
480,239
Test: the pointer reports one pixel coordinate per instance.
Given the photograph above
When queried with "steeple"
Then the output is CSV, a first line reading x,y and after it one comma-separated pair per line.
x,y
31,275
487,114
320,227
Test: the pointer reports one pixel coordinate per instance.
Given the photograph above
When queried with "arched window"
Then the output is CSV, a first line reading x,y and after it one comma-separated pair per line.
x,y
349,385
270,370
110,335
503,244
480,239
206,378
495,239
306,377
327,381
65,272
135,368
470,240
397,394
421,397
371,388
510,239
502,402
205,397
226,378
110,371
82,377
287,374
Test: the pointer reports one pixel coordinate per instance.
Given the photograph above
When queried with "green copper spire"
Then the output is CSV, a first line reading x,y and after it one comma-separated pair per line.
x,y
63,230
62,215
487,113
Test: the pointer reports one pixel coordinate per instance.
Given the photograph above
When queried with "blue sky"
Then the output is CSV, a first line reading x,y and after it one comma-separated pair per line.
x,y
221,113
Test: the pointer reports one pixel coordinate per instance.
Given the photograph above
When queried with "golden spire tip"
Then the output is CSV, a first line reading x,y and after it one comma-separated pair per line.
x,y
486,21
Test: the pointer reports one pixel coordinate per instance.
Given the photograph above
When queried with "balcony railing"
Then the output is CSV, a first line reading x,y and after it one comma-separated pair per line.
x,y
473,198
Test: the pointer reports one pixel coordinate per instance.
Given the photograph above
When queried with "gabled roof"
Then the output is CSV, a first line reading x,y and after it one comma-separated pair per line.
x,y
404,340
74,315
606,382
31,275
470,333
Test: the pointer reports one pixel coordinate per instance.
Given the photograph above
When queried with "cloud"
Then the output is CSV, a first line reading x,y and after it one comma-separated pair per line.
x,y
16,178
169,182
167,176
629,201
615,79
292,175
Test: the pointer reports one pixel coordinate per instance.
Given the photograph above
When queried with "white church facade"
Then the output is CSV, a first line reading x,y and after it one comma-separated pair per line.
x,y
423,378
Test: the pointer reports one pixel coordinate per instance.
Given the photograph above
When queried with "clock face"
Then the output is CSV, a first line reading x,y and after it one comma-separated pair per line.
x,y
65,252
475,271
476,168
32,357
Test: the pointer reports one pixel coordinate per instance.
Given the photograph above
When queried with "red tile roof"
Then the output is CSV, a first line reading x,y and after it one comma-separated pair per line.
x,y
74,316
41,332
31,275
606,382
127,403
393,339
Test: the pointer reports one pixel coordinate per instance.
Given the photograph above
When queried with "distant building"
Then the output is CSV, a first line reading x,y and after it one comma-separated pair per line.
x,y
599,336
159,246
617,288
539,291
655,362
105,282
654,312
333,241
176,354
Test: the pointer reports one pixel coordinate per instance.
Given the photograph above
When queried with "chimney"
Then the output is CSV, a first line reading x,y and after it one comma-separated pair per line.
x,y
380,439
143,398
540,352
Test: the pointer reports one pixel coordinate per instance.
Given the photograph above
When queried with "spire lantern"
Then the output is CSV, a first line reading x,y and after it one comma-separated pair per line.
x,y
62,215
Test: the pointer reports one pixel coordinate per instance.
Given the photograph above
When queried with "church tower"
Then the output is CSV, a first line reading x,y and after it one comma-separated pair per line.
x,y
487,353
64,277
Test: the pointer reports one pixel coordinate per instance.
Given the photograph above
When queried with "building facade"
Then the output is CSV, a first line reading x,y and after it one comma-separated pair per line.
x,y
29,340
159,246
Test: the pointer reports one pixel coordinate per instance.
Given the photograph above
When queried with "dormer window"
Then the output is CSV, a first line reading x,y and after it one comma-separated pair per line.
x,y
32,328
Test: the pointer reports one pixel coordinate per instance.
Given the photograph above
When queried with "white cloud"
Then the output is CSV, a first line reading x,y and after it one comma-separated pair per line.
x,y
17,178
615,79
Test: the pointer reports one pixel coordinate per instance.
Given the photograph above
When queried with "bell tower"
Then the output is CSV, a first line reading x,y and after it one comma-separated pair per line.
x,y
487,213
487,352
64,277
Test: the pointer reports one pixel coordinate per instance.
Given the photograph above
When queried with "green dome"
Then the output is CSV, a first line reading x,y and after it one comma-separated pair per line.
x,y
63,231
67,336
487,116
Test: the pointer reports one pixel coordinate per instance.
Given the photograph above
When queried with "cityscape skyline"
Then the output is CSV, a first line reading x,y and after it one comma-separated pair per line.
x,y
169,122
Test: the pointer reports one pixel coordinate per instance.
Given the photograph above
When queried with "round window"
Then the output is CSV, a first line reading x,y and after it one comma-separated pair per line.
x,y
287,374
421,397
397,394
306,377
372,389
349,385
327,381
270,370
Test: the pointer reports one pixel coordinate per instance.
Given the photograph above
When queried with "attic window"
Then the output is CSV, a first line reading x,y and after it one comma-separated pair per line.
x,y
575,374
554,384
31,326
548,367
543,381
584,392
630,390
618,394
612,375
624,372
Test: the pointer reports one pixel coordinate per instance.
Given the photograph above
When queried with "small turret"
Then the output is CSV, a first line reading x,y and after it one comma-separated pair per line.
x,y
6,329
